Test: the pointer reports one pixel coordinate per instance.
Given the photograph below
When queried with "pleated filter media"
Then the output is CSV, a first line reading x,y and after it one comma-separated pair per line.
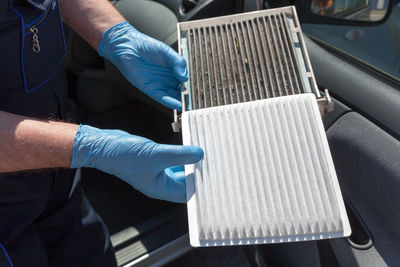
x,y
267,175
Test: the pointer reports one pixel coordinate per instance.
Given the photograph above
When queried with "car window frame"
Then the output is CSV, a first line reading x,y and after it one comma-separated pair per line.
x,y
384,76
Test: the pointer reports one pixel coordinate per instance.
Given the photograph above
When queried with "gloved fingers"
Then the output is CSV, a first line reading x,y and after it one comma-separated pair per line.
x,y
170,186
171,102
173,155
180,177
176,173
164,91
176,169
177,63
151,77
169,98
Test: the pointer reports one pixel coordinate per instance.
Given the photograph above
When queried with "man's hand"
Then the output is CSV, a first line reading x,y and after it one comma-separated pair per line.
x,y
147,166
151,66
154,169
148,64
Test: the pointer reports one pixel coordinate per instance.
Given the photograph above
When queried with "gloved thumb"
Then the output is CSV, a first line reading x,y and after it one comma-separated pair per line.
x,y
173,155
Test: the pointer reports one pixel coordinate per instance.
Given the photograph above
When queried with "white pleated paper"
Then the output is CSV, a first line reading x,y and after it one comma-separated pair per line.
x,y
267,175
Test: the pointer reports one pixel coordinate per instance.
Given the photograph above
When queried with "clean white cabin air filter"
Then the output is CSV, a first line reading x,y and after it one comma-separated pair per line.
x,y
267,175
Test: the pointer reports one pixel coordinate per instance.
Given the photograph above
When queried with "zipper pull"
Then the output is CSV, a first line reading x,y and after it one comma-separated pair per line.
x,y
35,39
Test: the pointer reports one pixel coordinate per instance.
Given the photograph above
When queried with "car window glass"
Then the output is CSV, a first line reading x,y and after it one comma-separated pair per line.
x,y
378,45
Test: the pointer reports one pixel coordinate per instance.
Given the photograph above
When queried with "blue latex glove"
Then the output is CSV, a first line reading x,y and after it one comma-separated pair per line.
x,y
150,65
147,166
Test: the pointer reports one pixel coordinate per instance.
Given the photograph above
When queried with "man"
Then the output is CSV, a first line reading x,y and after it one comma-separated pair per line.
x,y
45,220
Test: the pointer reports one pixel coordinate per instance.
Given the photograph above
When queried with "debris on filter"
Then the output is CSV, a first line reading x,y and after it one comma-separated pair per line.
x,y
242,61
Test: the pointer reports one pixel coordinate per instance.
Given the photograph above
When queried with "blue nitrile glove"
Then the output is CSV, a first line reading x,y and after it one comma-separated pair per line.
x,y
147,166
148,64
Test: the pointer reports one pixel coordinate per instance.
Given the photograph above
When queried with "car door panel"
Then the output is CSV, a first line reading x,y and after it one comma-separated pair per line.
x,y
363,134
358,87
367,164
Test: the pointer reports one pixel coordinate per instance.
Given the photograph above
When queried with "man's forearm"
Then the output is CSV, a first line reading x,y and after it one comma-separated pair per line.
x,y
28,144
90,18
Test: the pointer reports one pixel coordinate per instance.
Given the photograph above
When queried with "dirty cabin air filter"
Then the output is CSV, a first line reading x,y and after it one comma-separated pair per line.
x,y
245,57
251,102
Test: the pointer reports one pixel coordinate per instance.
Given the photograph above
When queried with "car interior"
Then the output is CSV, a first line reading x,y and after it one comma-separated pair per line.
x,y
363,133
